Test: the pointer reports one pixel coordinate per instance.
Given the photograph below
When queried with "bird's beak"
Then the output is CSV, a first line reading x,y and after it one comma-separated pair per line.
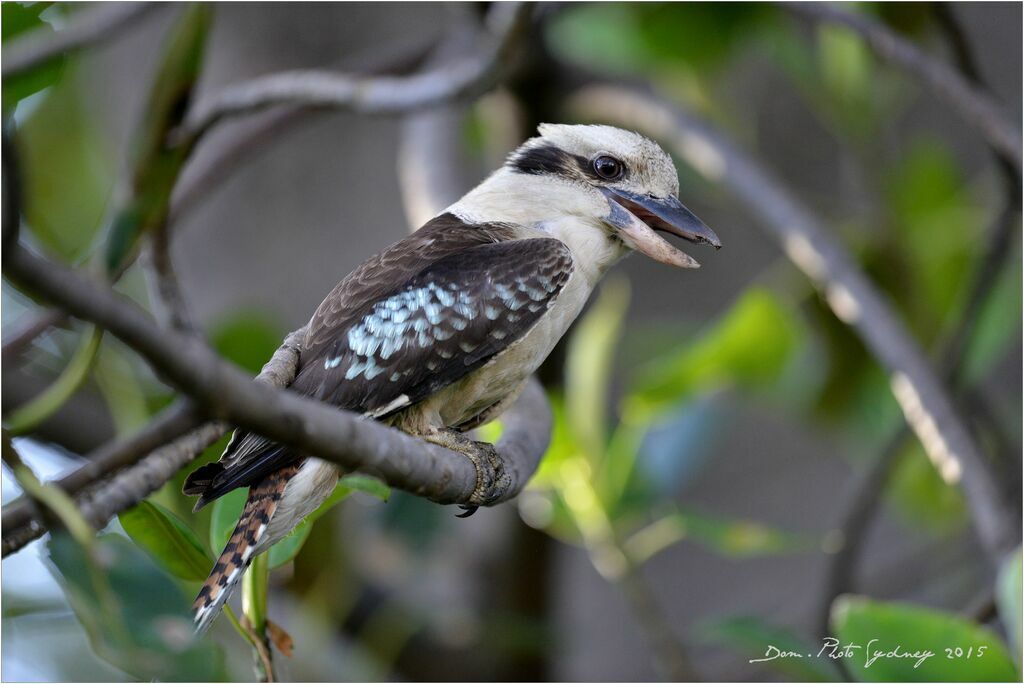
x,y
637,217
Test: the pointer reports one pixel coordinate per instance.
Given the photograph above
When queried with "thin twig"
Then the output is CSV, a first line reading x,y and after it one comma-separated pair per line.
x,y
223,391
207,170
11,187
852,297
865,496
261,649
228,150
166,298
147,459
86,28
974,105
430,161
112,457
671,656
374,95
38,323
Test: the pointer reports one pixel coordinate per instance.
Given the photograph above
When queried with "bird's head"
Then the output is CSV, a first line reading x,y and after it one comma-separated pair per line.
x,y
616,181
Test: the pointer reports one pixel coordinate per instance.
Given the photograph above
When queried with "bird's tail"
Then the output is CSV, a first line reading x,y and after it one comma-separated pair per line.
x,y
243,544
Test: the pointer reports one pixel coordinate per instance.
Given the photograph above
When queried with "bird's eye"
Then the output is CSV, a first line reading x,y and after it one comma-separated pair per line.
x,y
608,168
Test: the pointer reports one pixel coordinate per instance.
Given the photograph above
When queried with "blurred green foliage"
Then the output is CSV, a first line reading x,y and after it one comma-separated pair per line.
x,y
68,174
228,508
156,161
599,486
592,491
168,540
1009,589
961,650
135,616
17,19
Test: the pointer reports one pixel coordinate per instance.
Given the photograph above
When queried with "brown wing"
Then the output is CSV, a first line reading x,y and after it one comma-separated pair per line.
x,y
409,321
438,326
381,274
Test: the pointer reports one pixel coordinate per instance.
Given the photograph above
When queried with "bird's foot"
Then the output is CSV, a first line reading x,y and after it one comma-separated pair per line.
x,y
490,471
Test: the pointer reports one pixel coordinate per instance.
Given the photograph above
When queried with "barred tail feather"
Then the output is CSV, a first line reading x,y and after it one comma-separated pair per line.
x,y
243,544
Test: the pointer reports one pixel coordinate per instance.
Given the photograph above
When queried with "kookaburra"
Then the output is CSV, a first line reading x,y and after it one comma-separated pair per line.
x,y
438,333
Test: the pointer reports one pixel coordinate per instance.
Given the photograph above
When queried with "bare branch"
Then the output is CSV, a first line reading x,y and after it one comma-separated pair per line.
x,y
430,163
90,26
373,95
867,492
221,390
111,457
145,457
852,297
972,103
165,293
207,170
228,149
37,324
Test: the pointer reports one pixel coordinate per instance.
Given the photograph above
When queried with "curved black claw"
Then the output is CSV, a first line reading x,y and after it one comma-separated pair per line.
x,y
466,511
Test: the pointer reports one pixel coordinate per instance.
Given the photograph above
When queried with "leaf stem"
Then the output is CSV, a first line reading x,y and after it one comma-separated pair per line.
x,y
254,607
52,498
28,417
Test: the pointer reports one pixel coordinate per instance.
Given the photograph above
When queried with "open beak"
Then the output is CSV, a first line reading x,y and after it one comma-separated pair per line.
x,y
637,217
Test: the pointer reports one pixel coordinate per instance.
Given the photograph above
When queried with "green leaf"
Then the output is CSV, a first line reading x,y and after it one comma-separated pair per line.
x,y
246,338
748,346
998,324
288,547
168,540
27,417
135,616
641,37
68,171
948,648
359,483
1009,591
228,508
19,18
226,512
757,640
729,537
155,162
922,497
589,365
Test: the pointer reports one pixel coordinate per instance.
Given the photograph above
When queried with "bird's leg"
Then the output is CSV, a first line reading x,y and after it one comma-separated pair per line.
x,y
484,457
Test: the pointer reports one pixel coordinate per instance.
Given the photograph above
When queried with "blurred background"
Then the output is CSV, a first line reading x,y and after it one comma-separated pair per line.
x,y
720,434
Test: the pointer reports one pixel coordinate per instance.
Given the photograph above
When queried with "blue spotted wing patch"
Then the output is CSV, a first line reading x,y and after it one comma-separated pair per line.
x,y
440,325
250,457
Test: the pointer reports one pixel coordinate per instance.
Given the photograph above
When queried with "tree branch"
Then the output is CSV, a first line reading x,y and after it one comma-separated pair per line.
x,y
973,104
866,494
106,460
165,293
374,95
146,455
852,297
38,323
90,26
221,390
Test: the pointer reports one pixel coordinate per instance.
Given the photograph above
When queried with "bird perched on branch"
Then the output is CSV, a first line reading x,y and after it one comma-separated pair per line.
x,y
438,333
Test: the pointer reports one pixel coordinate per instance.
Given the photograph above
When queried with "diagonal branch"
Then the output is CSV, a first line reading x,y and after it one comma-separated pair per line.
x,y
86,27
373,95
971,102
222,391
140,464
112,457
853,298
860,511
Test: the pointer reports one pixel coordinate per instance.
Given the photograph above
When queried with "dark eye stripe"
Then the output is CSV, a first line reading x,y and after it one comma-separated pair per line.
x,y
548,159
